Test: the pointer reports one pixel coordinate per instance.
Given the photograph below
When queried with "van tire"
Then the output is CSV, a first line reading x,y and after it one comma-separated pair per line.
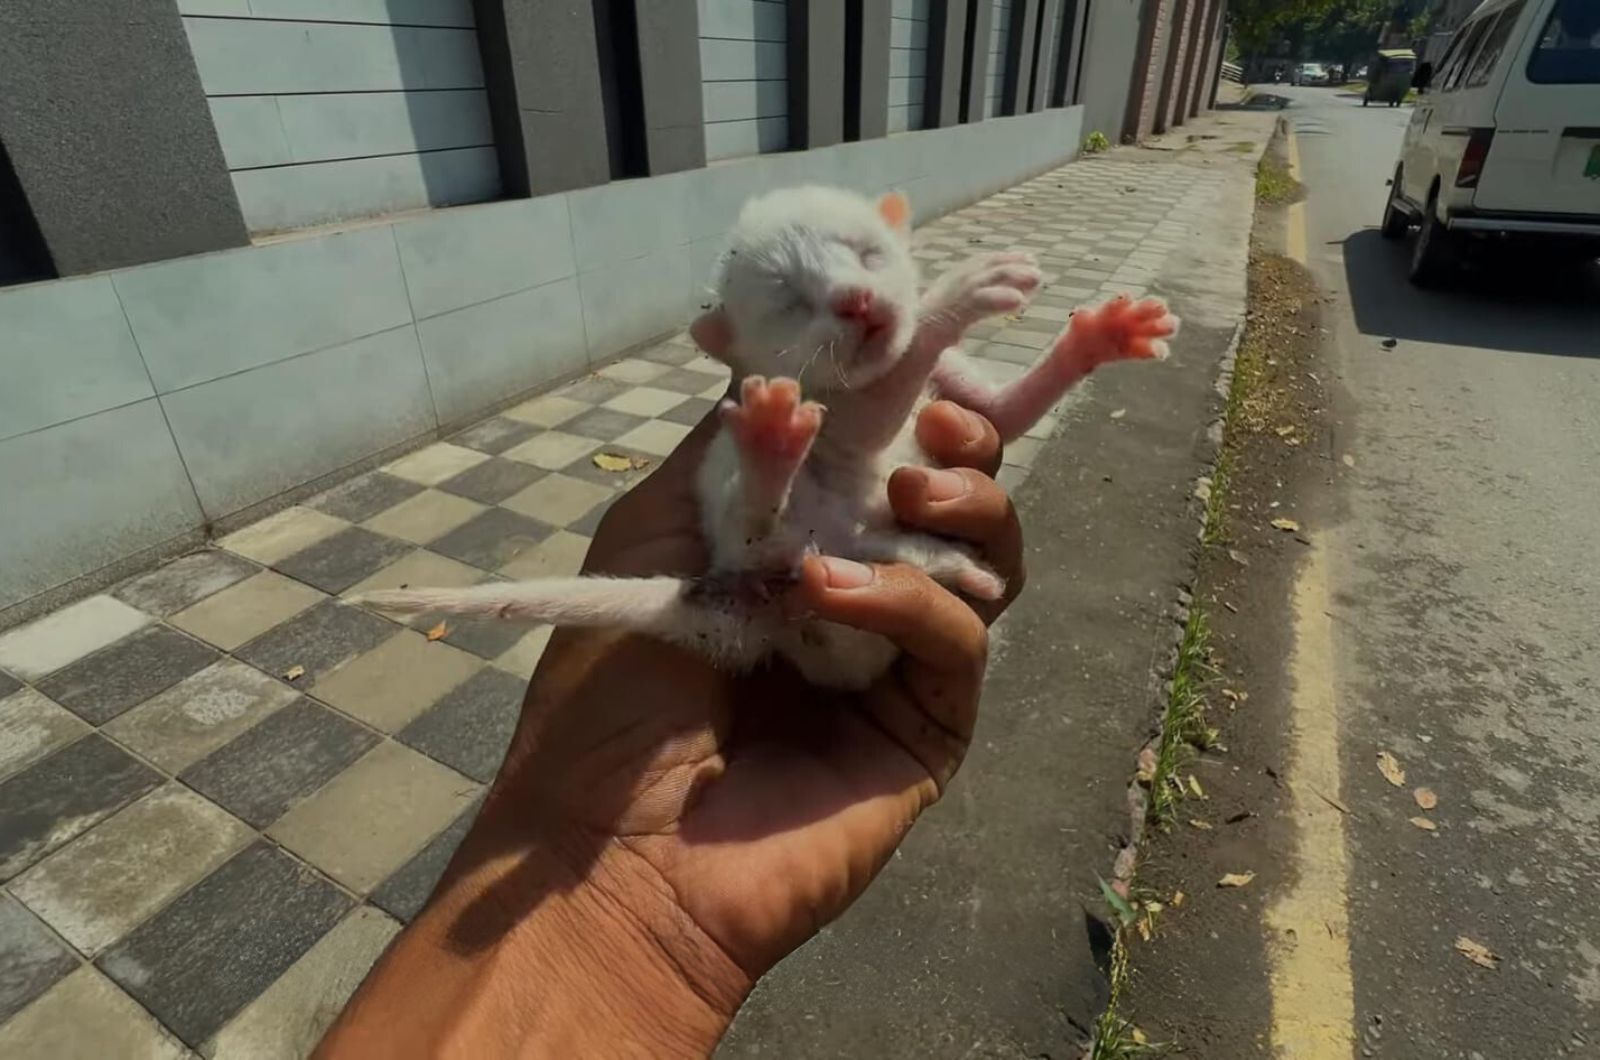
x,y
1434,257
1396,222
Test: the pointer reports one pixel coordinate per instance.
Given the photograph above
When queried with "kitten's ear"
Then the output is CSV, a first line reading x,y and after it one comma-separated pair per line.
x,y
712,332
895,208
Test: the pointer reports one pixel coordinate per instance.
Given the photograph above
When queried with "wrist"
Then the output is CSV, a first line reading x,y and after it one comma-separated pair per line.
x,y
550,948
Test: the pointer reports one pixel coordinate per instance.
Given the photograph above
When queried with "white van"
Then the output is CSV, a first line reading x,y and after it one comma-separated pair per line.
x,y
1505,139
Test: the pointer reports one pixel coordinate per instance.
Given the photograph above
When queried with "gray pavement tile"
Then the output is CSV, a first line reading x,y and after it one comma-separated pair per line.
x,y
215,949
99,687
593,390
362,498
591,522
606,424
495,435
32,959
320,639
184,581
402,895
484,637
493,480
469,728
670,353
493,539
690,412
338,562
680,380
60,797
8,684
289,755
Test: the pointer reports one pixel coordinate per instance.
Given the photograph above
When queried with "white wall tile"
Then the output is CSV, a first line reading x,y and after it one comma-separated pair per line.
x,y
453,258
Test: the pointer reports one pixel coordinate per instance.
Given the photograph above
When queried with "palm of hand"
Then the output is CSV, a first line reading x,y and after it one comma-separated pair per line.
x,y
763,825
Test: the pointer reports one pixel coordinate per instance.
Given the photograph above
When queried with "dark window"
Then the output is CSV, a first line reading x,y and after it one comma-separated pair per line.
x,y
1569,48
1464,57
1493,45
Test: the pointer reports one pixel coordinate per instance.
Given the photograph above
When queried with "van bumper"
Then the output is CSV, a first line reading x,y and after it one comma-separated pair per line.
x,y
1524,224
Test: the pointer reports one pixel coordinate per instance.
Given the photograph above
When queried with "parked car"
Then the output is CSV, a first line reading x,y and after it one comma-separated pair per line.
x,y
1504,143
1309,74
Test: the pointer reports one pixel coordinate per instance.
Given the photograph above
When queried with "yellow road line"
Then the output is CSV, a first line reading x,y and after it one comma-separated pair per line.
x,y
1295,232
1313,1006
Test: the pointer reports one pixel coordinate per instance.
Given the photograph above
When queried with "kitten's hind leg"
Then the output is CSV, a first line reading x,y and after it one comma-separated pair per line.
x,y
944,561
773,431
1121,329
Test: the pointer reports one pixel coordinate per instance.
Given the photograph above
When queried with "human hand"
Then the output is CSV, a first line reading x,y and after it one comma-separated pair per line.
x,y
663,832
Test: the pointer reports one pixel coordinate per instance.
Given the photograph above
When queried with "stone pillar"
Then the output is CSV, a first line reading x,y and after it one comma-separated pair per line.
x,y
947,52
866,80
816,72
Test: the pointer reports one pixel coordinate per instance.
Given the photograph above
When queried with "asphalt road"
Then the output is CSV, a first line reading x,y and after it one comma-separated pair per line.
x,y
1462,563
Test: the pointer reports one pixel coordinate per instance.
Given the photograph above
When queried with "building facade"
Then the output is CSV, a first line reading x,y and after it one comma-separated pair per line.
x,y
248,247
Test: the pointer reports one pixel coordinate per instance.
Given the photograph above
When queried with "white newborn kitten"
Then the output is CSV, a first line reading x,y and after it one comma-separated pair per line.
x,y
819,284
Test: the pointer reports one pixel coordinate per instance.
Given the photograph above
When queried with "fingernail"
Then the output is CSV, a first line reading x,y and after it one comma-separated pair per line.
x,y
972,424
847,573
945,485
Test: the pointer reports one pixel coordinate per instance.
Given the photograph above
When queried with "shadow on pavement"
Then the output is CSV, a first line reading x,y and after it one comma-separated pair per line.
x,y
1257,100
1510,303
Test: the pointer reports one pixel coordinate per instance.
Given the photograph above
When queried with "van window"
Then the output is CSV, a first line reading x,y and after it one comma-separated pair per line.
x,y
1569,48
1493,45
1464,55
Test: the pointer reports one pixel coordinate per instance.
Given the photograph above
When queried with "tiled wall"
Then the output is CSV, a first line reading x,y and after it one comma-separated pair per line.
x,y
144,404
908,63
334,109
744,76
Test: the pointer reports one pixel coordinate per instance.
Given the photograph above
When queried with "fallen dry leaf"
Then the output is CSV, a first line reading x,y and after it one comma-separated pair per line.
x,y
1288,525
438,632
1147,765
1477,952
294,673
1391,769
1425,798
1178,898
1139,1037
1348,460
1117,415
1195,788
1204,826
1424,824
1236,879
612,462
1144,929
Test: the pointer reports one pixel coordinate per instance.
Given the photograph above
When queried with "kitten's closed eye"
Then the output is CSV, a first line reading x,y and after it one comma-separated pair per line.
x,y
872,258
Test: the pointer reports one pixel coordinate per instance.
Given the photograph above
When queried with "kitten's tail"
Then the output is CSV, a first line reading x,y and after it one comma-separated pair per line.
x,y
667,608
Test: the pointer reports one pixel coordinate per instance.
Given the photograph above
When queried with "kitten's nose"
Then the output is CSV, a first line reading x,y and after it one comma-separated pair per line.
x,y
852,303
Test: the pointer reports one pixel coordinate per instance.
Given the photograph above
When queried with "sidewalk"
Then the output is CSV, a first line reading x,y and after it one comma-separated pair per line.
x,y
223,789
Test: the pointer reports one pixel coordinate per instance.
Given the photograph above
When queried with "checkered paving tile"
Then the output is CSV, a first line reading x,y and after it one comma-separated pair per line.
x,y
224,787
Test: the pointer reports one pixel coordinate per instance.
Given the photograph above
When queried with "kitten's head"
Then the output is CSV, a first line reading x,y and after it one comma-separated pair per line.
x,y
817,284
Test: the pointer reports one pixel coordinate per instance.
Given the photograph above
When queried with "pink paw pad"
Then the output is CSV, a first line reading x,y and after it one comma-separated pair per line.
x,y
770,420
1123,329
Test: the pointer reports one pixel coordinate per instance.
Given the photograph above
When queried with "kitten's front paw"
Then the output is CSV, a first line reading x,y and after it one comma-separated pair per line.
x,y
985,286
770,421
1120,329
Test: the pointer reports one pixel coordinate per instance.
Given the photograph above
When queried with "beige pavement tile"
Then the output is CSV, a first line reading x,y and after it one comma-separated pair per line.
x,y
551,410
97,889
559,555
31,726
646,401
85,1017
199,714
282,535
244,611
46,644
424,517
657,437
288,1019
557,500
1023,451
397,680
369,819
632,371
524,655
708,366
552,450
433,464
